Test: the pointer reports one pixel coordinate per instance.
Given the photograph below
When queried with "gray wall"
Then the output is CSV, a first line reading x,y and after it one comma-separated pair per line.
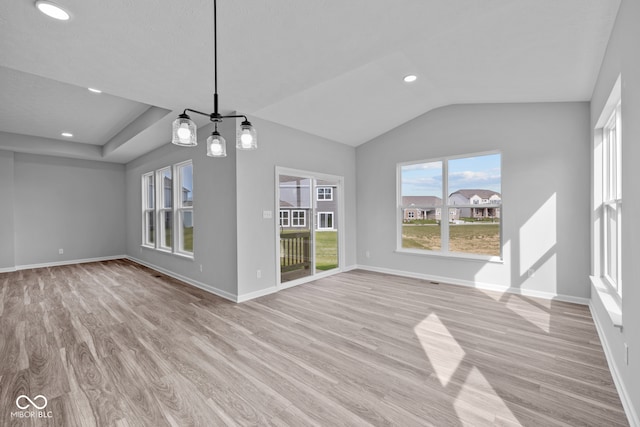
x,y
7,239
545,188
622,58
76,205
285,147
214,213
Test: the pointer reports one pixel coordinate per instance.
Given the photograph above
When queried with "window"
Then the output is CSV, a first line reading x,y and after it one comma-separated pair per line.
x,y
325,193
608,193
165,209
184,195
325,220
469,188
612,199
148,209
167,200
298,218
284,218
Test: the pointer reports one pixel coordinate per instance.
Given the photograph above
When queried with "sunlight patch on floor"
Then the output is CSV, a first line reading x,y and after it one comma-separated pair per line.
x,y
476,392
531,312
443,351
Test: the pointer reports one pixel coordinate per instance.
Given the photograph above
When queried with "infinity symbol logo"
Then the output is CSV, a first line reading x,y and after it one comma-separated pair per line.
x,y
28,399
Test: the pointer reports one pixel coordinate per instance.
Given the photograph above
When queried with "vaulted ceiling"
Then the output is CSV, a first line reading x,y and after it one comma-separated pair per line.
x,y
330,68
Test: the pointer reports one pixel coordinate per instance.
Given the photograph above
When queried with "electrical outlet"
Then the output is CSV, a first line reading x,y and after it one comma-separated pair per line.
x,y
258,274
60,251
367,254
200,268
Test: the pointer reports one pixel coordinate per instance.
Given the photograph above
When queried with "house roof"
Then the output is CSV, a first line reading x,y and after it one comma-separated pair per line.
x,y
421,200
483,194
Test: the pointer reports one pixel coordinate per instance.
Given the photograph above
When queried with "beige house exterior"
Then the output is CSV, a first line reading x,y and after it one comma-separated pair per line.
x,y
421,207
488,204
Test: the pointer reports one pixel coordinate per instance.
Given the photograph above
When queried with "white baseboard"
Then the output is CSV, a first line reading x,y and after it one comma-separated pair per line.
x,y
197,284
291,284
69,262
257,294
478,285
632,415
7,269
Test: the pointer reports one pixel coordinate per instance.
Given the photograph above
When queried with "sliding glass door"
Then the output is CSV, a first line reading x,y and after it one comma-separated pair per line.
x,y
308,224
296,223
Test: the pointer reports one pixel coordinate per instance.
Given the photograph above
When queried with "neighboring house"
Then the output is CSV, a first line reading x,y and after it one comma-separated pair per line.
x,y
421,207
326,206
295,204
483,198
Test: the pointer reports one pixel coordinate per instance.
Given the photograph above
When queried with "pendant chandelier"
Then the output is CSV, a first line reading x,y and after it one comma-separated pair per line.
x,y
185,129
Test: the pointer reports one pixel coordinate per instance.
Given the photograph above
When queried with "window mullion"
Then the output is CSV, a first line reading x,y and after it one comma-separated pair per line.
x,y
158,189
444,213
175,195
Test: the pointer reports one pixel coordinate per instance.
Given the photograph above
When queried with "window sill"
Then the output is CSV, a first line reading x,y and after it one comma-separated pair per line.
x,y
186,256
168,252
452,255
610,302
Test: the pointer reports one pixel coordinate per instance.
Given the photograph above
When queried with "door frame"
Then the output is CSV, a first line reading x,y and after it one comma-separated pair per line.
x,y
314,176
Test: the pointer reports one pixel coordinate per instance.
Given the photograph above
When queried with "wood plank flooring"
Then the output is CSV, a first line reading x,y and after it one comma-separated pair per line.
x,y
117,344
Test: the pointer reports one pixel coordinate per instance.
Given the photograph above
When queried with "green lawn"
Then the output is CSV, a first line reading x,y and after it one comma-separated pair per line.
x,y
188,238
480,238
326,250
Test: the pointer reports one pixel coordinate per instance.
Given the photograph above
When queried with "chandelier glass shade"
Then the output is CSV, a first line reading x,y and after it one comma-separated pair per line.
x,y
184,131
216,145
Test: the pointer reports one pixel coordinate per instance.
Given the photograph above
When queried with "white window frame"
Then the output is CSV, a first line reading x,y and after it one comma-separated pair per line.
x,y
447,206
606,204
320,221
148,210
161,209
301,215
179,209
327,193
158,210
284,218
612,201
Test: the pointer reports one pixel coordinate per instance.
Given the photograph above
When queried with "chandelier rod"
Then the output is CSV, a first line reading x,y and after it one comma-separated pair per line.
x,y
215,58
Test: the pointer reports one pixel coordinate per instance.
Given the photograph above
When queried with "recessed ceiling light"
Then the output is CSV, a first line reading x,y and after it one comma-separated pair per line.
x,y
52,10
410,78
67,134
94,90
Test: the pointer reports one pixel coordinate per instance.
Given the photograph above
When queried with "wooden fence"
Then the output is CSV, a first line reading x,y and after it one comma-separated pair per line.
x,y
295,251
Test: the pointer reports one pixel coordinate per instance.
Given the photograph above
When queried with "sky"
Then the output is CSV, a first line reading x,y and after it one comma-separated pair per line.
x,y
425,179
187,180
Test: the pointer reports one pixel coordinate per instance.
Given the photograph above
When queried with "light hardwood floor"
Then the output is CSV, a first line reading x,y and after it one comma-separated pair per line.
x,y
117,344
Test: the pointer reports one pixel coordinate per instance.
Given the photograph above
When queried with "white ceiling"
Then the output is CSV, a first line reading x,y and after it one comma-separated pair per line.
x,y
330,68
